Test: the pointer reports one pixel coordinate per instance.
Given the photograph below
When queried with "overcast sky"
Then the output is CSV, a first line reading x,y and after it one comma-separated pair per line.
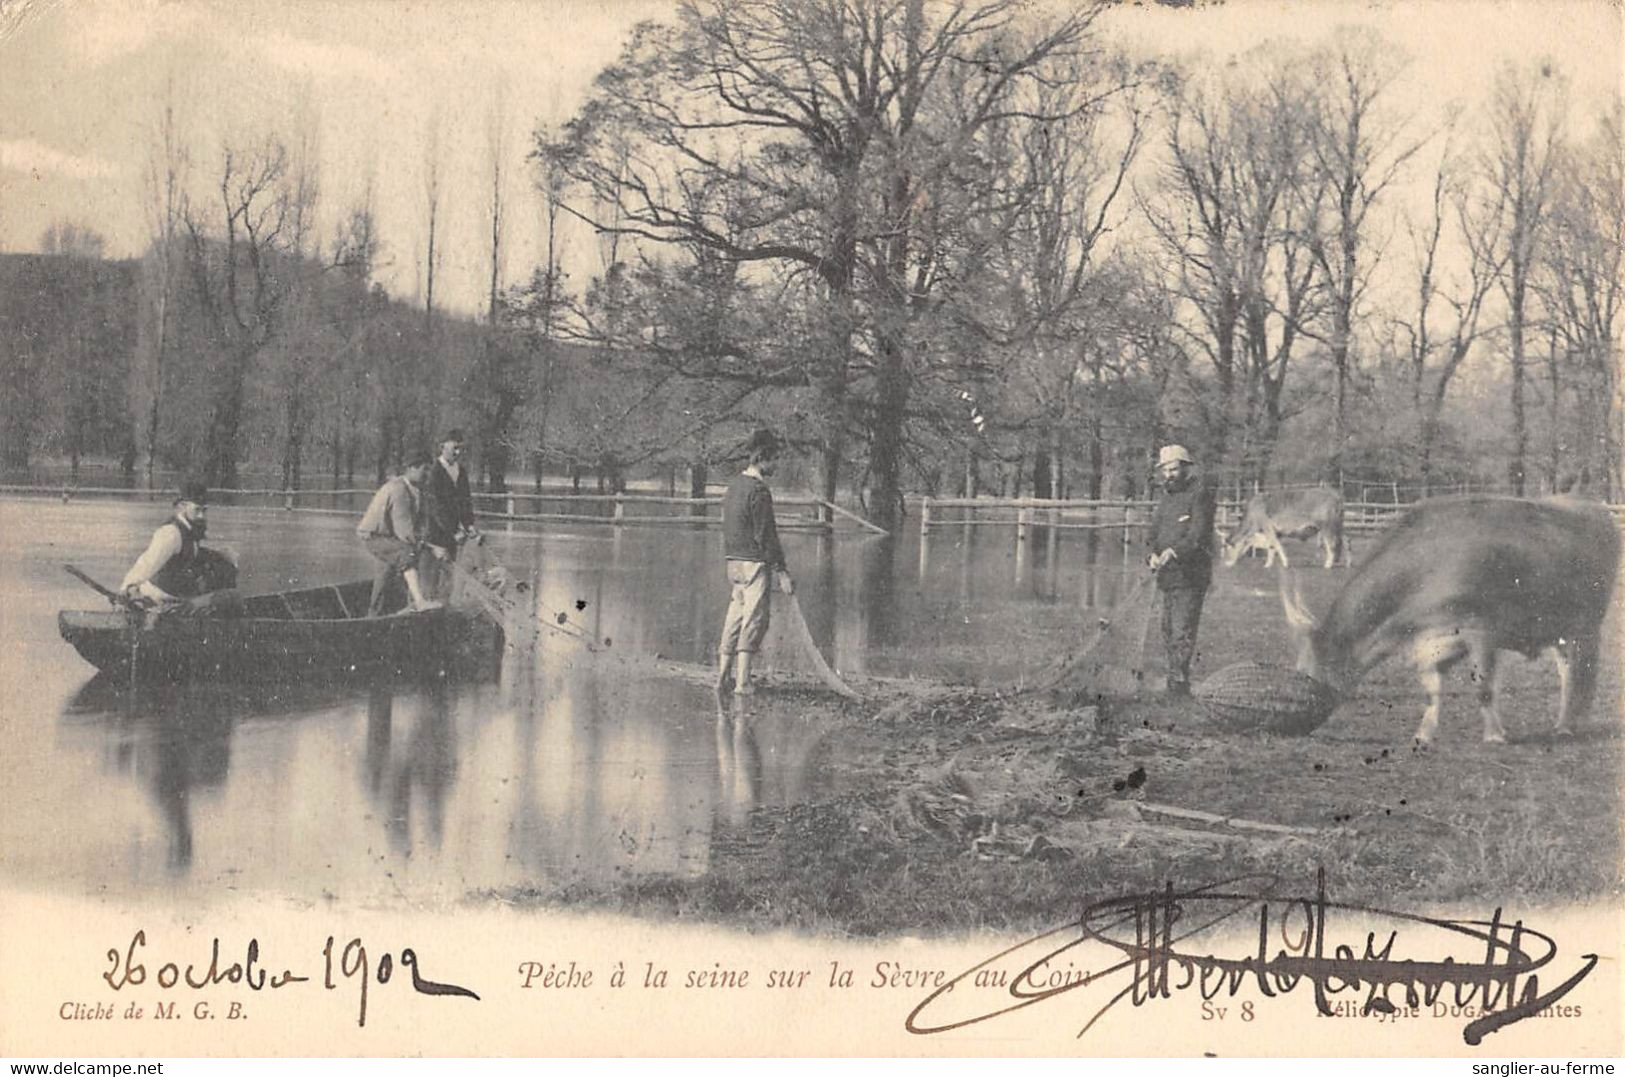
x,y
82,83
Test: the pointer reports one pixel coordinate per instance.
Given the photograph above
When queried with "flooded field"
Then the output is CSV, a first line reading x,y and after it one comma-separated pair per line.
x,y
582,779
560,771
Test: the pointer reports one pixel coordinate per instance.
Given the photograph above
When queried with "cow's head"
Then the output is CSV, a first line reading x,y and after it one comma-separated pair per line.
x,y
1241,541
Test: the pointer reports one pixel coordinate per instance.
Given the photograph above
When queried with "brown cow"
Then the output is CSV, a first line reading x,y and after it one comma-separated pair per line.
x,y
1468,578
1298,514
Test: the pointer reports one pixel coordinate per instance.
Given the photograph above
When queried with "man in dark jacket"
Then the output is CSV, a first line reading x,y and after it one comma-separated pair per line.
x,y
1181,544
176,573
448,508
754,557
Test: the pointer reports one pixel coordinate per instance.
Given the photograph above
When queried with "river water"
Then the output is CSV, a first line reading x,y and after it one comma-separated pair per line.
x,y
405,790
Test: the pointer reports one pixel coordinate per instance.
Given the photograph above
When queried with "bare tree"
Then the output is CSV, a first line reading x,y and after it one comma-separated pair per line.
x,y
166,178
1233,219
1047,278
1526,145
841,129
1435,341
547,290
240,291
497,147
307,335
355,252
1359,148
1581,283
498,386
431,203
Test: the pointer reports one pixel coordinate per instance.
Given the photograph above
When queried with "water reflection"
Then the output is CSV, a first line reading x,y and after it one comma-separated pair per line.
x,y
570,767
419,773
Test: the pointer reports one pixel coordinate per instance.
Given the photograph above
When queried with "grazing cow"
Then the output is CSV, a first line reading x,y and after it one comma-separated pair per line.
x,y
1298,514
1468,578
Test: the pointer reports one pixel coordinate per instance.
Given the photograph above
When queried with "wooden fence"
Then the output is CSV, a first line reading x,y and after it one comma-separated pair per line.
x,y
1114,515
628,509
618,510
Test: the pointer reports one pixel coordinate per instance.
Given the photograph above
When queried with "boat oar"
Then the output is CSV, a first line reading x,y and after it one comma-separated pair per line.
x,y
112,596
122,602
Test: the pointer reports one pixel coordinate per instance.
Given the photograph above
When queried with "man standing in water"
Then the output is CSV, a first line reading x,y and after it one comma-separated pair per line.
x,y
392,530
1181,543
754,558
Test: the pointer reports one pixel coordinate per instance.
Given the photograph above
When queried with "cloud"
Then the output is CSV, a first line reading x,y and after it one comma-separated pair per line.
x,y
324,59
26,155
107,31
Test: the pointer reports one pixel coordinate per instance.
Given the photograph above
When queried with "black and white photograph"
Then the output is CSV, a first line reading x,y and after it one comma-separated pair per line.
x,y
1080,528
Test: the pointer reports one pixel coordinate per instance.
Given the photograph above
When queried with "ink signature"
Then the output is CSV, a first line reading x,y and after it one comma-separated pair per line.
x,y
339,964
1147,947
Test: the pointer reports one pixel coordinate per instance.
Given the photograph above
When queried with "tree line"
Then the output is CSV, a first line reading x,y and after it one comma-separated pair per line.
x,y
945,246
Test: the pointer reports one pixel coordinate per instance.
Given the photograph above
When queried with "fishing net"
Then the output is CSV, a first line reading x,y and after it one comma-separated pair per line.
x,y
480,580
1112,662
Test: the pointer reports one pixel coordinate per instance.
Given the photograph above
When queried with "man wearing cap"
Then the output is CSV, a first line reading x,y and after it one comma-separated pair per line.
x,y
449,505
754,557
166,573
1181,545
392,530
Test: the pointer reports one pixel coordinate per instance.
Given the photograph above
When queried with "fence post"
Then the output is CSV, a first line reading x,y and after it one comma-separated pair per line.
x,y
1024,524
620,509
925,514
287,500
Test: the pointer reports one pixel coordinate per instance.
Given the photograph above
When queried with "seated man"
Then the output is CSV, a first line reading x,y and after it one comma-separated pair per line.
x,y
392,530
176,573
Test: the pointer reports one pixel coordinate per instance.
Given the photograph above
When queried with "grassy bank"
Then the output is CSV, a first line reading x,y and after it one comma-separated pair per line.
x,y
940,809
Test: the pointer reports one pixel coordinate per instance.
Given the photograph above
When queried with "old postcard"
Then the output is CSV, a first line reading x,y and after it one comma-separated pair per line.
x,y
811,527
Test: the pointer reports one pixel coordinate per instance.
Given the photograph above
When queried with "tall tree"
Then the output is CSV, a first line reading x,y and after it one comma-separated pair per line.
x,y
1359,147
1443,320
167,180
1236,199
841,127
236,272
542,305
309,329
1526,122
361,308
1581,283
1046,291
431,205
498,383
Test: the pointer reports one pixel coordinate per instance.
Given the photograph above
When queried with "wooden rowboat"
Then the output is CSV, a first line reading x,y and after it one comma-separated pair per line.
x,y
315,632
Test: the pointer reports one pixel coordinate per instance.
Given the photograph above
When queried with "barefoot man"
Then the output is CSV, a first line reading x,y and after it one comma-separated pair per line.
x,y
754,557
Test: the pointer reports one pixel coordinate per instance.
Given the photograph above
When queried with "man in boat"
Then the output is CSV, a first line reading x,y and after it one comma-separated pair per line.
x,y
449,508
176,574
392,530
1181,545
754,559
